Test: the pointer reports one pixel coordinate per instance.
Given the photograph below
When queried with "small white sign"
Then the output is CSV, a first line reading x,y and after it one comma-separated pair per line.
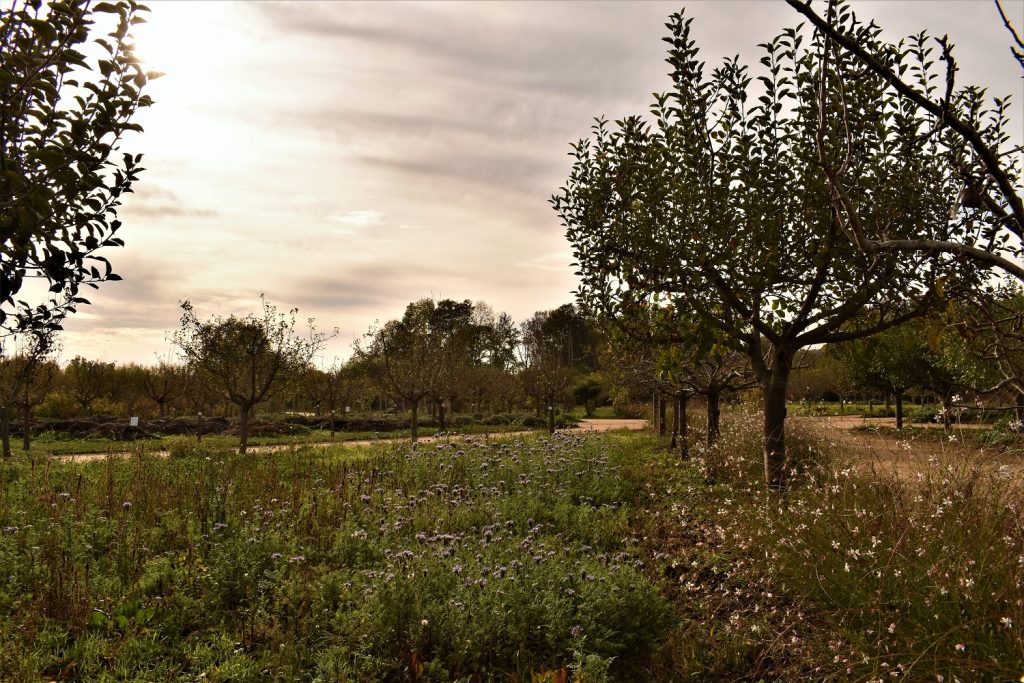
x,y
133,421
347,409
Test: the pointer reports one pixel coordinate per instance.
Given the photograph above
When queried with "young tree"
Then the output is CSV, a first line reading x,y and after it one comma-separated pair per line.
x,y
251,358
722,209
67,96
20,372
403,355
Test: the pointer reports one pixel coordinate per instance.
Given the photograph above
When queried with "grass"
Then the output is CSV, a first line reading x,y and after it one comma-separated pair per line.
x,y
459,560
599,413
55,444
578,557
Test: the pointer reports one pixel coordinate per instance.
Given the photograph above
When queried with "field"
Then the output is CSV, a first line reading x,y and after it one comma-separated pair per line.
x,y
581,556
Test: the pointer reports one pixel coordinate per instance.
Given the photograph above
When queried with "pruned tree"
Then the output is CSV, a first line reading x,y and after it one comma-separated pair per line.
x,y
721,209
250,359
67,96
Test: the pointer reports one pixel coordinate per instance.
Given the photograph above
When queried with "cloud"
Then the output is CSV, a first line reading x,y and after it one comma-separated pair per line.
x,y
152,201
350,158
361,218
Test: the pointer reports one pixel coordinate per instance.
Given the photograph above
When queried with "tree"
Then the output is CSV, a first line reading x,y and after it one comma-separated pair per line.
x,y
586,391
88,380
892,361
67,97
546,356
459,343
163,384
332,388
20,373
987,212
250,359
722,209
991,330
402,354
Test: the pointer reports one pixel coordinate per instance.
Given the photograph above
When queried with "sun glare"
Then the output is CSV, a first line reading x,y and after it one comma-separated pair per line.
x,y
191,43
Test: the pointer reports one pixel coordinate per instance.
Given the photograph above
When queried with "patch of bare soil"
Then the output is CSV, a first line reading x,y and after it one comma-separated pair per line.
x,y
906,456
608,425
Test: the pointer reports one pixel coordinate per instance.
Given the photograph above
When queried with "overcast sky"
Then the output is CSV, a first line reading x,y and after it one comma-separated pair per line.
x,y
347,158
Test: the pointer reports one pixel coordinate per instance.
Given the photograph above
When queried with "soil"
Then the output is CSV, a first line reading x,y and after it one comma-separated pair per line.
x,y
905,457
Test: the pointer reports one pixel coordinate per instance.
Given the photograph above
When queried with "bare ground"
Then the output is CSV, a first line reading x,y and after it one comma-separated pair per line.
x,y
906,457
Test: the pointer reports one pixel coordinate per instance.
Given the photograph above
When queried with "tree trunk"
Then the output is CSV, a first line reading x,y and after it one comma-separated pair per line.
x,y
26,426
947,412
333,426
714,399
684,440
842,406
675,425
899,411
414,420
662,422
163,408
1020,406
243,427
654,409
774,390
551,416
440,416
5,431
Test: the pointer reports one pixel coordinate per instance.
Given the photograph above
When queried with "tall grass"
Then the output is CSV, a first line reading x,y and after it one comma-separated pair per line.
x,y
916,578
584,558
463,559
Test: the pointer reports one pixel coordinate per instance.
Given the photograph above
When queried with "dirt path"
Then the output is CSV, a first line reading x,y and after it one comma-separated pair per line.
x,y
852,421
908,456
583,426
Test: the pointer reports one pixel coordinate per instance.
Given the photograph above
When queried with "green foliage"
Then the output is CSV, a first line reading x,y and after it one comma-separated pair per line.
x,y
722,206
586,391
249,359
463,557
68,96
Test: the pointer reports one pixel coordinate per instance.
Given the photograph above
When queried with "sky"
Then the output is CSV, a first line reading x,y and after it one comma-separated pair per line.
x,y
348,158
